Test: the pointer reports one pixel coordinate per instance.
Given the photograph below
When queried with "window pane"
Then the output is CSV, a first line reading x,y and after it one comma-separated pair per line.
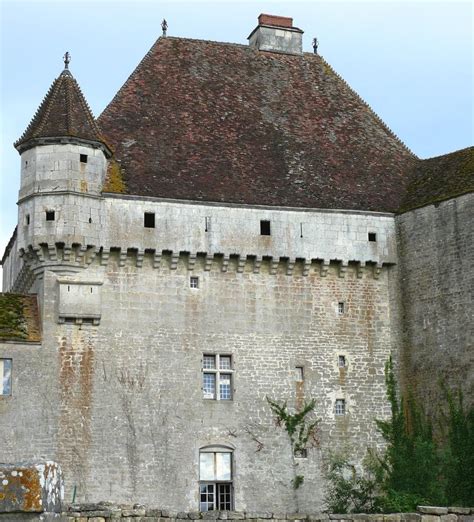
x,y
206,466
206,492
225,390
209,385
225,362
6,376
225,498
209,362
223,471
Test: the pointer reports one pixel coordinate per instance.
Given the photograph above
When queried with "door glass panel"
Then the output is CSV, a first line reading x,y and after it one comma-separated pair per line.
x,y
206,466
223,471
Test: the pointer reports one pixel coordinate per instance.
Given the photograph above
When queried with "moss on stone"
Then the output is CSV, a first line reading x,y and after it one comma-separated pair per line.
x,y
114,181
19,318
13,324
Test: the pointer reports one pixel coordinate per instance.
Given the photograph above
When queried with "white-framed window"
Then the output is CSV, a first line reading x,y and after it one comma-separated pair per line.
x,y
340,408
194,282
215,479
217,377
341,361
5,376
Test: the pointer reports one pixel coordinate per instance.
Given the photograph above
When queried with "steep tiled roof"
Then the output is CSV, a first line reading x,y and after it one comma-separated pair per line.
x,y
63,113
440,178
19,318
222,122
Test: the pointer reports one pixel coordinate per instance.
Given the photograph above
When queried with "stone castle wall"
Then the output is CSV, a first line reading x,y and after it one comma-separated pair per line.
x,y
120,406
436,249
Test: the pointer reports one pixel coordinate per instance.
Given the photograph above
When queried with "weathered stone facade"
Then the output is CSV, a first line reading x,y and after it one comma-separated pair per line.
x,y
142,297
436,248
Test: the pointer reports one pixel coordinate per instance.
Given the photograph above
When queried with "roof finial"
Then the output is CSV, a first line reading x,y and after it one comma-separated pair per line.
x,y
164,26
315,45
67,59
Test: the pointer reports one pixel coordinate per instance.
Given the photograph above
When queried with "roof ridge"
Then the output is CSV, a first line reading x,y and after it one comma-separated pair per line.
x,y
377,117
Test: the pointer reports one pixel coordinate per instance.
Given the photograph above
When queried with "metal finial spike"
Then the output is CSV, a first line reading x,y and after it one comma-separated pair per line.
x,y
315,45
164,26
67,59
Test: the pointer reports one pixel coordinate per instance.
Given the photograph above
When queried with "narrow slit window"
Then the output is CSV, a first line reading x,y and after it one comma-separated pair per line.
x,y
299,374
50,215
342,361
27,219
83,158
5,376
372,236
194,282
149,220
340,308
207,224
264,227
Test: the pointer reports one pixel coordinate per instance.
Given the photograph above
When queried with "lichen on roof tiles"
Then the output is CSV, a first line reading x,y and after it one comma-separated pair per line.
x,y
221,122
437,179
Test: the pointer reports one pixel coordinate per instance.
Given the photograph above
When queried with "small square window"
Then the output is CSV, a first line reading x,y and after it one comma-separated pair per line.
x,y
27,219
194,282
340,308
372,236
340,407
299,374
264,228
149,220
50,215
301,453
5,376
83,158
341,361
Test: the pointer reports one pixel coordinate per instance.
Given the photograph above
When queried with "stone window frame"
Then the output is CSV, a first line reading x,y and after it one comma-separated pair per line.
x,y
214,375
216,492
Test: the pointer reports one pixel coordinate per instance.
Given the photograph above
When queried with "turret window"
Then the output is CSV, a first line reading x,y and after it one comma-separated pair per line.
x,y
50,215
83,158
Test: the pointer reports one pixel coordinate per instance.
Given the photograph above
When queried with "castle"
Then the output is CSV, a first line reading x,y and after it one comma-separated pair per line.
x,y
236,227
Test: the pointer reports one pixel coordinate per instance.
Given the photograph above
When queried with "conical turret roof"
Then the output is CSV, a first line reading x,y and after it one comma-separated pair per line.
x,y
63,113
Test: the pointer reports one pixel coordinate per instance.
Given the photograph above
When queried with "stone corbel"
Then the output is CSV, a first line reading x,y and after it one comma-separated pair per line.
x,y
324,268
225,263
104,257
174,260
140,256
208,262
306,266
257,264
241,264
274,266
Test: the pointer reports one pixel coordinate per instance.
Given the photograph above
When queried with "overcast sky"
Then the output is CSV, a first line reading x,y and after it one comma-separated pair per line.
x,y
411,61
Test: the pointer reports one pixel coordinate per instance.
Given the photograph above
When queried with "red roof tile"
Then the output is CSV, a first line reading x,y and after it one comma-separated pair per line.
x,y
218,122
63,113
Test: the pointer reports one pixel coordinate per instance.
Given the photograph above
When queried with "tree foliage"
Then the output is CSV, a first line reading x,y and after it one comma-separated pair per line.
x,y
415,468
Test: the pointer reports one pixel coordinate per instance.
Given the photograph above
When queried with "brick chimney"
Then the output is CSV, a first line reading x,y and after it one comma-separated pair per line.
x,y
276,34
